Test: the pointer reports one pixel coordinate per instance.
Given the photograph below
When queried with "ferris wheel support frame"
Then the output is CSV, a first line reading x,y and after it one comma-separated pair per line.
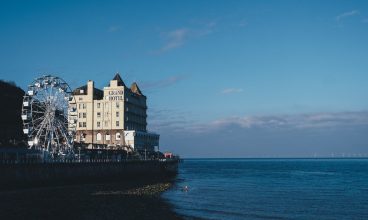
x,y
49,116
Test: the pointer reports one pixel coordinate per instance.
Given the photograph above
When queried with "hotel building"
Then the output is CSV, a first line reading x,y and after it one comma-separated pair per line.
x,y
113,117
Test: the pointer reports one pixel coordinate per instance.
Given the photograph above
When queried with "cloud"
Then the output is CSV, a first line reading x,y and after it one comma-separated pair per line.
x,y
163,82
112,29
169,120
173,121
178,37
231,90
297,135
175,38
301,121
347,14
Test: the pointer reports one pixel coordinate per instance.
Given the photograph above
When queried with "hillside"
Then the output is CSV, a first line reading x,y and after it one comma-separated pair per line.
x,y
11,133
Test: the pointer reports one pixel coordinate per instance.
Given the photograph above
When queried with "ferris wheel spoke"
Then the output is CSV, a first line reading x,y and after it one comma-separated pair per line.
x,y
56,137
42,96
38,122
40,129
38,112
37,126
38,107
61,125
64,134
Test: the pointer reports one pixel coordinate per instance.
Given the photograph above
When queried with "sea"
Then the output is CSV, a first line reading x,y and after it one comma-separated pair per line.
x,y
271,189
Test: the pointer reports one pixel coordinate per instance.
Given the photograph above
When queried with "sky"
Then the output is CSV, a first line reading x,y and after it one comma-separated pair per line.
x,y
223,78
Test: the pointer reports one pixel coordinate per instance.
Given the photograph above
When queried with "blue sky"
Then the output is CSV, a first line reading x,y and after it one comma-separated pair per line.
x,y
217,74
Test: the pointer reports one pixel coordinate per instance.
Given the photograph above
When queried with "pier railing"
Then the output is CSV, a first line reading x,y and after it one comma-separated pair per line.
x,y
40,161
21,156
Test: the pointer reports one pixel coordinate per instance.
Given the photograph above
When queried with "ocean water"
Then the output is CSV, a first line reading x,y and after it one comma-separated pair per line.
x,y
271,189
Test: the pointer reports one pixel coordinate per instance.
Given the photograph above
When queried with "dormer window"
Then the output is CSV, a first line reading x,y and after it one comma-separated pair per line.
x,y
81,91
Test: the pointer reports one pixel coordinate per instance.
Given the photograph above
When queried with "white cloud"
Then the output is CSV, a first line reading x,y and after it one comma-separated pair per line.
x,y
347,14
301,121
178,37
175,38
231,90
169,120
163,82
174,122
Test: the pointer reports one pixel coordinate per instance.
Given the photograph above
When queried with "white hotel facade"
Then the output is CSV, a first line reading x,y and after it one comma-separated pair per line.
x,y
113,117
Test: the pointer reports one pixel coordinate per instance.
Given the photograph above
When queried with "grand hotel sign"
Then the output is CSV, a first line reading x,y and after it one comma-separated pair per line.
x,y
115,95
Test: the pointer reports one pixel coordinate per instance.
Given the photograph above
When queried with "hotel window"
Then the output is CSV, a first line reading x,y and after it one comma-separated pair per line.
x,y
106,123
117,114
84,106
84,115
117,105
84,124
117,123
98,137
98,124
98,105
79,106
79,115
107,137
98,114
83,136
80,124
118,136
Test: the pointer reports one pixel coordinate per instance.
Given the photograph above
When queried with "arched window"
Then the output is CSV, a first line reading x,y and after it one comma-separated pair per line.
x,y
98,136
118,136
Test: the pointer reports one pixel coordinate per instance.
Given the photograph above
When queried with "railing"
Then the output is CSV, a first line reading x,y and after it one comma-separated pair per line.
x,y
84,160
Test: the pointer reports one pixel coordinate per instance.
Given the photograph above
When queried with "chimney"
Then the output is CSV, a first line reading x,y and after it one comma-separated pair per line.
x,y
113,83
90,87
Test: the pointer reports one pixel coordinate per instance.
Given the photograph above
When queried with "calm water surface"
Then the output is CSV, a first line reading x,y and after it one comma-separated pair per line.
x,y
272,189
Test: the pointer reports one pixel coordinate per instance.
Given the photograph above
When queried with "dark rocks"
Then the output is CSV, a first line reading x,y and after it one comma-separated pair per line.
x,y
119,200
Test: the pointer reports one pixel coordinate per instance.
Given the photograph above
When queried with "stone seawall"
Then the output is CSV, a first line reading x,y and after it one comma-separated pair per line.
x,y
39,174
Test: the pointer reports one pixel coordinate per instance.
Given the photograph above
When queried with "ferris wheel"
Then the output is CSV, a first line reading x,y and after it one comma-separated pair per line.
x,y
49,115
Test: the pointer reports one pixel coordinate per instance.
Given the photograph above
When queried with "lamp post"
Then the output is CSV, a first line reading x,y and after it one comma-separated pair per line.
x,y
79,154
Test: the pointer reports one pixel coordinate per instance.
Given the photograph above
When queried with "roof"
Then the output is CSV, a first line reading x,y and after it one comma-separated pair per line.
x,y
97,93
118,78
78,91
134,87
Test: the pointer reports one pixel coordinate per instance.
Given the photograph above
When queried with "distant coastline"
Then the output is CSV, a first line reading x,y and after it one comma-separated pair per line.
x,y
270,158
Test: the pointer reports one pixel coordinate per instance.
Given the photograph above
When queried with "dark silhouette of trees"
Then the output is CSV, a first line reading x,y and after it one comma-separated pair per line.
x,y
11,98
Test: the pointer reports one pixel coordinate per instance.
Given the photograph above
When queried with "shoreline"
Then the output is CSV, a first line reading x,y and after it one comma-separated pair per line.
x,y
117,200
